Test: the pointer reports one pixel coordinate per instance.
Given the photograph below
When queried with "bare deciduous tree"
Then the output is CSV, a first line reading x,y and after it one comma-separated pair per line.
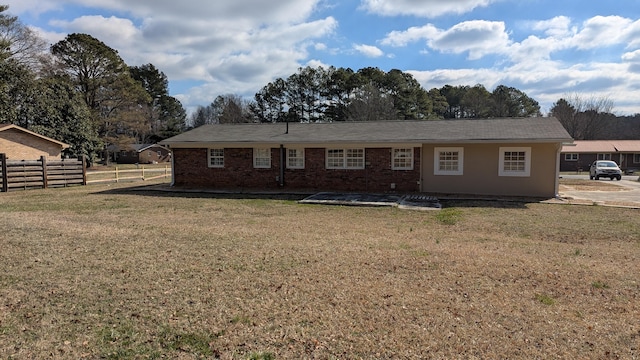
x,y
584,118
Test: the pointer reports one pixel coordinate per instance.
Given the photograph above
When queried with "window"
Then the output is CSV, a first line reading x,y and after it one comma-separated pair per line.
x,y
448,161
515,161
216,158
345,158
159,153
262,158
604,156
295,158
636,158
571,157
402,159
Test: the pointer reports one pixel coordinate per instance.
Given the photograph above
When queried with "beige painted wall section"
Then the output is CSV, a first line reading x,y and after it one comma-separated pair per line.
x,y
18,145
480,172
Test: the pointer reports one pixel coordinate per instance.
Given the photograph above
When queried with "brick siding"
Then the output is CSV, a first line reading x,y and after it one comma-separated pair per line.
x,y
191,170
18,145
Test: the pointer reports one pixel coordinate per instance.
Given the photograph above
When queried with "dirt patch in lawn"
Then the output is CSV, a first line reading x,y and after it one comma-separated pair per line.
x,y
89,272
589,185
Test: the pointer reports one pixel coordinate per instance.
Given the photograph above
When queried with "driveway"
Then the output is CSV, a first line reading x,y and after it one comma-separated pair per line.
x,y
627,191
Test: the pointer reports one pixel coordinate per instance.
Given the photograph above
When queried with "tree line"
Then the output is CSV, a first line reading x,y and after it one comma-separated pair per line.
x,y
80,91
369,94
338,94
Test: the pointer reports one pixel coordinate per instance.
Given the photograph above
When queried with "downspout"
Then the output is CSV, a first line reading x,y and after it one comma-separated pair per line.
x,y
282,165
173,170
557,185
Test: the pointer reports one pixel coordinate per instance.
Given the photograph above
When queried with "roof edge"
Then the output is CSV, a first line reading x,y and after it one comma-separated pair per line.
x,y
4,127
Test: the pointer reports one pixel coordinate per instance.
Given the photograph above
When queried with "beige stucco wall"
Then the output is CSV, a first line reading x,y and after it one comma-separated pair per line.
x,y
18,145
480,175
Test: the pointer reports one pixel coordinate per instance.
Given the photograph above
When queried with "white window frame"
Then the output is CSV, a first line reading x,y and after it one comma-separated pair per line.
x,y
345,158
262,158
215,158
402,158
297,160
525,172
437,161
604,156
571,156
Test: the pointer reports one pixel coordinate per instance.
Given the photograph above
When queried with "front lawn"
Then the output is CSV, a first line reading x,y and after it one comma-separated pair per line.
x,y
104,272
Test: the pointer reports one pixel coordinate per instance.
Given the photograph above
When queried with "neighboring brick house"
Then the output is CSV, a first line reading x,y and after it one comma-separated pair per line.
x,y
579,155
514,157
140,154
18,143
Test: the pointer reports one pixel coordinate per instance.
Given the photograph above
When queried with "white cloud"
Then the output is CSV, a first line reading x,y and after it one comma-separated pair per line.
x,y
368,50
103,28
477,37
422,8
413,34
559,26
633,61
602,31
633,56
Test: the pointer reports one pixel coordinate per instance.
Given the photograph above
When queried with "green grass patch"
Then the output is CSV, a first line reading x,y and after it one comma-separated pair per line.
x,y
449,216
192,343
261,356
545,299
599,285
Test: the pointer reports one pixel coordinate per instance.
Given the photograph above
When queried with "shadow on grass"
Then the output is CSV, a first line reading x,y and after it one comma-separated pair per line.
x,y
447,201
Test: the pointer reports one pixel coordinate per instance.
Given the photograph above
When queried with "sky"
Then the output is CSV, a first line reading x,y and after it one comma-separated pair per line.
x,y
550,49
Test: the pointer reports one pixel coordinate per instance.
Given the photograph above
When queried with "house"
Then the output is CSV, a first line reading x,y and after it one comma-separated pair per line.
x,y
140,154
579,155
18,143
511,157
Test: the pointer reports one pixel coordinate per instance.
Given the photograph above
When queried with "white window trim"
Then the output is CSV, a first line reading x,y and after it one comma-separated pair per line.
x,y
527,162
209,157
409,158
436,161
344,159
256,156
571,157
604,156
300,153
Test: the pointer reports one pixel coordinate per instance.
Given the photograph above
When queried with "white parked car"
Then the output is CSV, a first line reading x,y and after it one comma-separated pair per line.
x,y
605,168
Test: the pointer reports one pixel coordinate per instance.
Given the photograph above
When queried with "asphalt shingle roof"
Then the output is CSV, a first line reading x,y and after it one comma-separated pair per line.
x,y
542,129
603,146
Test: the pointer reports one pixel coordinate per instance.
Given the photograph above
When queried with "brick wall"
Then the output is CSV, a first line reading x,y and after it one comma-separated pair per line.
x,y
18,145
191,169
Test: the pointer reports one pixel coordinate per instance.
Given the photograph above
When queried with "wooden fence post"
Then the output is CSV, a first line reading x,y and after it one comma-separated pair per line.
x,y
5,182
45,183
84,169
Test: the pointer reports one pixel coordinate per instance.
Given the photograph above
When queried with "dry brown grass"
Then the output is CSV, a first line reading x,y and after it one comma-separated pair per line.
x,y
589,185
100,272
